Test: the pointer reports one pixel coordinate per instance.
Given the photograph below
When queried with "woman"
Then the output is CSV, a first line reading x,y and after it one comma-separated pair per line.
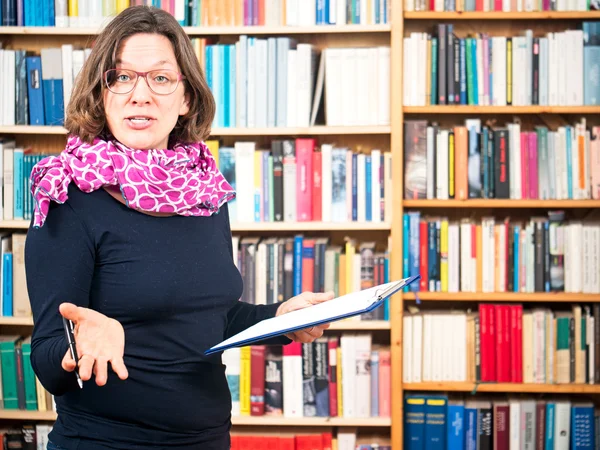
x,y
131,241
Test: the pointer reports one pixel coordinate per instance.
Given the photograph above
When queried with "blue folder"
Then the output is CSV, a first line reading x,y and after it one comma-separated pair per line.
x,y
330,311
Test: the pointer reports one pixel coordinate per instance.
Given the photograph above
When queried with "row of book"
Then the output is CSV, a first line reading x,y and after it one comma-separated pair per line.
x,y
503,343
555,68
345,439
34,89
275,269
500,5
539,254
475,160
20,387
452,422
198,13
302,84
16,164
14,300
281,82
346,376
296,180
26,436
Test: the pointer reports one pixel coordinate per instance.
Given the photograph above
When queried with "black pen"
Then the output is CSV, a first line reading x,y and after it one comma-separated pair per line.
x,y
68,325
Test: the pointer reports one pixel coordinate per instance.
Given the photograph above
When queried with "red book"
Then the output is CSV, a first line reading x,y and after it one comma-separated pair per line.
x,y
332,345
502,338
516,342
423,251
488,344
257,380
304,178
287,443
326,441
317,189
501,436
308,265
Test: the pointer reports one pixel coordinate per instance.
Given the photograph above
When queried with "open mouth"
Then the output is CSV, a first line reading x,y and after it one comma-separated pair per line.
x,y
140,119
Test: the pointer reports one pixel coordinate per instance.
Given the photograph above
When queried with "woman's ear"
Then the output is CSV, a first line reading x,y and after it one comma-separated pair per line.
x,y
185,105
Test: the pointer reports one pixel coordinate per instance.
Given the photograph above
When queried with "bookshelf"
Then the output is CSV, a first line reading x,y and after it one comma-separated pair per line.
x,y
467,23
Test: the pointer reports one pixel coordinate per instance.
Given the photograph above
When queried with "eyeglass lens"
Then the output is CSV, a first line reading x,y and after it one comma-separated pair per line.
x,y
122,81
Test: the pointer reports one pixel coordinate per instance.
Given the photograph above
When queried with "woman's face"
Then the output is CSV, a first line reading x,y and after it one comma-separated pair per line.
x,y
142,119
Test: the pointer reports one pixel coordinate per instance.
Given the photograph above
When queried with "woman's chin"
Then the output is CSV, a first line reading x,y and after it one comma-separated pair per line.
x,y
140,142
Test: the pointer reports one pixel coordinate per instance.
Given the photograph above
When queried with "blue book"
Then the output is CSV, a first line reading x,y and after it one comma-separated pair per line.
x,y
471,427
549,425
405,247
297,271
18,184
414,422
436,408
231,56
35,90
7,284
463,72
52,80
354,187
582,426
414,259
455,426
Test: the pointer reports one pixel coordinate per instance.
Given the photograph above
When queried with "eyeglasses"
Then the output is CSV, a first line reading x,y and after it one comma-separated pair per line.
x,y
160,81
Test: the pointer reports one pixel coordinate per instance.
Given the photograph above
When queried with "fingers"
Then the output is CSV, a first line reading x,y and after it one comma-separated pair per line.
x,y
100,371
308,335
68,363
119,368
86,366
70,311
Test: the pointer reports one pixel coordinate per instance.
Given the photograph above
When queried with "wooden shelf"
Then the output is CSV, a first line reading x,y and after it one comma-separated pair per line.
x,y
19,321
360,325
212,31
270,131
32,129
465,109
18,414
311,421
14,224
264,226
503,297
309,226
498,15
491,203
505,388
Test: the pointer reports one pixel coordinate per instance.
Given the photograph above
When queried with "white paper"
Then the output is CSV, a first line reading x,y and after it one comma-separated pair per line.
x,y
345,306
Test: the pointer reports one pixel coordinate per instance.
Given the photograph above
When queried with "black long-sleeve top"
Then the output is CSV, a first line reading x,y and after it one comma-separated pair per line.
x,y
172,283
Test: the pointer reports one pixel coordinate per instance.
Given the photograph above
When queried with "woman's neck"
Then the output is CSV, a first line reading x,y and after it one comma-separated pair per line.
x,y
115,192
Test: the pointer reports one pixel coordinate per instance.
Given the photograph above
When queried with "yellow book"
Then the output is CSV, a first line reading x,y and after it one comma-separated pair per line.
x,y
350,252
444,255
213,146
73,12
342,275
245,381
122,5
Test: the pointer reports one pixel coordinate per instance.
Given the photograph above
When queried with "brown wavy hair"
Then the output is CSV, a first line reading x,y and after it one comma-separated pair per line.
x,y
85,113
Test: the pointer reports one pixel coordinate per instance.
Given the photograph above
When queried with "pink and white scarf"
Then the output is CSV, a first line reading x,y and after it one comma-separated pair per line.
x,y
184,180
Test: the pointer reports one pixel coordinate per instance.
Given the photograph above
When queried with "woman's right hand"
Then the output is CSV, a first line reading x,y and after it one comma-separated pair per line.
x,y
99,340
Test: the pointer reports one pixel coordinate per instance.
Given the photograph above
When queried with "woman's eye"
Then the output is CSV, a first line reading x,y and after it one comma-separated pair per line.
x,y
122,78
161,79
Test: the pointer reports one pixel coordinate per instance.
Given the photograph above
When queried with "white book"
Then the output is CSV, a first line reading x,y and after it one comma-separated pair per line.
x,y
292,385
362,391
244,175
375,185
417,350
231,360
407,348
326,178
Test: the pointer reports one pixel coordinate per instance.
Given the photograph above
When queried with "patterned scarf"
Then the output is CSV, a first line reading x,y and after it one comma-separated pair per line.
x,y
184,180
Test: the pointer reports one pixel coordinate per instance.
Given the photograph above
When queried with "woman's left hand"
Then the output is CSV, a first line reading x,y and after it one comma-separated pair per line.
x,y
301,301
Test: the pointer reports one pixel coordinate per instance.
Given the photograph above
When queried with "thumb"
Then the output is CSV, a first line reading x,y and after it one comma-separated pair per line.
x,y
320,297
70,311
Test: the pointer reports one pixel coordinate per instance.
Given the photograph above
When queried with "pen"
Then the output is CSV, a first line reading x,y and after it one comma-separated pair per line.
x,y
68,324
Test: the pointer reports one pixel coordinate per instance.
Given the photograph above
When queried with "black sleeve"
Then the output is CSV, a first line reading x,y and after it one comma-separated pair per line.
x,y
59,264
244,315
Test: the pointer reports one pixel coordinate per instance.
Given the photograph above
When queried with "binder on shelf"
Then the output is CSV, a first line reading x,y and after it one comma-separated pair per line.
x,y
348,305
